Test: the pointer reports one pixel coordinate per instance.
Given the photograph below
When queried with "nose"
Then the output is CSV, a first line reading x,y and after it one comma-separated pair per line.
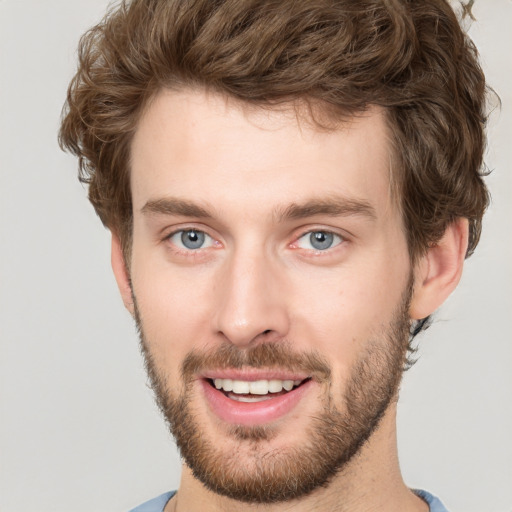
x,y
252,300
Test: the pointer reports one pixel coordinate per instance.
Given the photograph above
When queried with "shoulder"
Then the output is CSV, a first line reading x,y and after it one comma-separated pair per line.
x,y
156,504
433,502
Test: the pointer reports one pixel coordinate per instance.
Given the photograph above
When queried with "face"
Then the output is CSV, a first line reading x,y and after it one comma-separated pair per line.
x,y
271,282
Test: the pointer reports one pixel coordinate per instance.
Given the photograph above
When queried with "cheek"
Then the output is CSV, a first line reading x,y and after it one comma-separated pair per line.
x,y
174,308
340,314
332,320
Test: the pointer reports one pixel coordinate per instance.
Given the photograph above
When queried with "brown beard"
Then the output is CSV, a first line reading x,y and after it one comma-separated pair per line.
x,y
332,439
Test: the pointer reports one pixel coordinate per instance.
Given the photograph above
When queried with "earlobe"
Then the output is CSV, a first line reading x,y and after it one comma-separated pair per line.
x,y
439,271
121,273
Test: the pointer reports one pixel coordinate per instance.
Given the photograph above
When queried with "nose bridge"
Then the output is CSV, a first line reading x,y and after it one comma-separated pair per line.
x,y
251,299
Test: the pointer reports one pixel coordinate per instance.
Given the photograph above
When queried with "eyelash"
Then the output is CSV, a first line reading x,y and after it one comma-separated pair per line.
x,y
185,250
337,239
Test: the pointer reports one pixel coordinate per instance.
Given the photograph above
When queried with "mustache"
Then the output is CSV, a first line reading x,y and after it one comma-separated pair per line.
x,y
263,356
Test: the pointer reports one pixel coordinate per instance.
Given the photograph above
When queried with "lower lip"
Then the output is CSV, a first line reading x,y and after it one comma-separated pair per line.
x,y
253,413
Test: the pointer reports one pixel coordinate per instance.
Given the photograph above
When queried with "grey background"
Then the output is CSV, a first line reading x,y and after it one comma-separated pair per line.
x,y
78,428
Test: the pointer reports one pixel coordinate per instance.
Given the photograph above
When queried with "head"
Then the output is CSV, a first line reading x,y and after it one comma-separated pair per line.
x,y
396,79
411,58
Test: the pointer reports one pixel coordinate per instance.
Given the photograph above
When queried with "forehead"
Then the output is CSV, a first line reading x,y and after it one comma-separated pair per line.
x,y
203,146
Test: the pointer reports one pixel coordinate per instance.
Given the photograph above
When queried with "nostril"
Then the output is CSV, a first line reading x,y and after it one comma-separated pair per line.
x,y
268,331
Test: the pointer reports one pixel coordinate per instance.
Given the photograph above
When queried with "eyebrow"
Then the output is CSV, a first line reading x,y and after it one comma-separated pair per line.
x,y
332,206
174,206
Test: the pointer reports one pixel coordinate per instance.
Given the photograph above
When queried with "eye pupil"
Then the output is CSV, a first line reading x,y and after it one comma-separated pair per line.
x,y
321,240
192,239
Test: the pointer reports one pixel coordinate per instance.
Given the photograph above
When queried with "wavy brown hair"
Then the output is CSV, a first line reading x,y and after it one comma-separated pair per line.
x,y
410,57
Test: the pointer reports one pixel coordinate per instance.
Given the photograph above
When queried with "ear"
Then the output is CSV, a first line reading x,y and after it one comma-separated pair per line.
x,y
121,273
439,271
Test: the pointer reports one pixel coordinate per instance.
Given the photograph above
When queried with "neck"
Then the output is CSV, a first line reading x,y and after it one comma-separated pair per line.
x,y
370,482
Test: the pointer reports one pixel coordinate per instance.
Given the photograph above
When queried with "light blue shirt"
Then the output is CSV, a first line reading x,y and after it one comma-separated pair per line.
x,y
158,504
433,502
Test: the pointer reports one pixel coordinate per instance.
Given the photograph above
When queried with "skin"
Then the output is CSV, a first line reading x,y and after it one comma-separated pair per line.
x,y
258,280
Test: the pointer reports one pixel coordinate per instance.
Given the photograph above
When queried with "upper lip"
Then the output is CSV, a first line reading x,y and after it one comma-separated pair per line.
x,y
254,374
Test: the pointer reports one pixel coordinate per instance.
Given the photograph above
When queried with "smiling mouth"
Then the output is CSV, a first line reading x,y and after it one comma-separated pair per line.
x,y
257,390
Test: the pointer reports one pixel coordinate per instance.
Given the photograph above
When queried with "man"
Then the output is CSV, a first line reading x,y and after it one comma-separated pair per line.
x,y
292,189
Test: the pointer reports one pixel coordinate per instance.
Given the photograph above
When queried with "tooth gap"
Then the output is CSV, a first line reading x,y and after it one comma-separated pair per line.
x,y
302,382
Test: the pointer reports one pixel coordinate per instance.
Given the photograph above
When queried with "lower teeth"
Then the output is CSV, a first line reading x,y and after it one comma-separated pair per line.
x,y
249,398
253,398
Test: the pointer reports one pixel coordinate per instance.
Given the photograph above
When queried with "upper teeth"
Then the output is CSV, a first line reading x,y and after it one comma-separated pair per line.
x,y
256,387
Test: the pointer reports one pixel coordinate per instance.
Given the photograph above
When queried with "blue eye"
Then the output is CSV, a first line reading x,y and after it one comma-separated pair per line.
x,y
191,239
319,240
